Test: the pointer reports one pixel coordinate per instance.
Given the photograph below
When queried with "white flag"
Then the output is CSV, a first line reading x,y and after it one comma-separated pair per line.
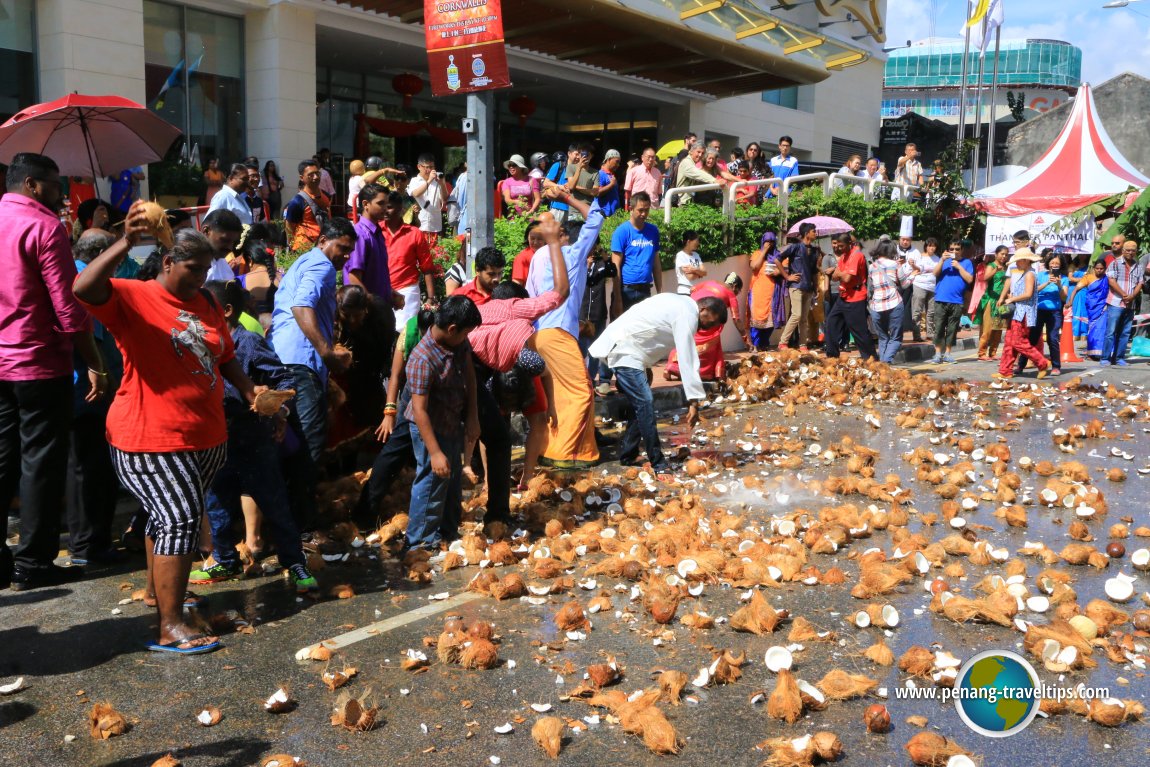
x,y
993,21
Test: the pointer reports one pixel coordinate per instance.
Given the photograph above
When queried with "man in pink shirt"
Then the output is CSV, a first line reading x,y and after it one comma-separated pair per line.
x,y
644,177
40,324
506,331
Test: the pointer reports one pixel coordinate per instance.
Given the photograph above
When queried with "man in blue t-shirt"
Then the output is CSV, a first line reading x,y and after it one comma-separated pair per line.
x,y
782,165
953,272
609,183
635,251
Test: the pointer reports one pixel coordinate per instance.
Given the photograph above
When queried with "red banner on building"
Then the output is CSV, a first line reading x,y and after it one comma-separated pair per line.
x,y
465,50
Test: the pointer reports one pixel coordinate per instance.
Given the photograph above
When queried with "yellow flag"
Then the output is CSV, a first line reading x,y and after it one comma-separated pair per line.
x,y
979,13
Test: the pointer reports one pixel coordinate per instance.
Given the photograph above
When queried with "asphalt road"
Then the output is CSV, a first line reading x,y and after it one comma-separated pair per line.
x,y
76,646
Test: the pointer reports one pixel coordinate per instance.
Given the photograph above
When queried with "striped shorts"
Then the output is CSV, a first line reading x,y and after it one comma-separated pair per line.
x,y
171,488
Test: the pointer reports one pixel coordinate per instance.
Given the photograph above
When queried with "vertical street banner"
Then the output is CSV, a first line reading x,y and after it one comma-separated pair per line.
x,y
465,49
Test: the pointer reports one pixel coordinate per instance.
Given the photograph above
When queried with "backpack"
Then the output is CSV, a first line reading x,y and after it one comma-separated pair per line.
x,y
319,214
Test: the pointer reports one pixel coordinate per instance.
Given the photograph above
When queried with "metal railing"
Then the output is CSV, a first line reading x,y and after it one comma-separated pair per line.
x,y
875,183
669,197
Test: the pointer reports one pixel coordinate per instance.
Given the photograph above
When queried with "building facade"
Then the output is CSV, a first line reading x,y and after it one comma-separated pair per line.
x,y
279,79
926,78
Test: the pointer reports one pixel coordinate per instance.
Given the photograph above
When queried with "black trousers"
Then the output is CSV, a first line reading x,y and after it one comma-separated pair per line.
x,y
35,420
495,434
92,487
397,454
849,316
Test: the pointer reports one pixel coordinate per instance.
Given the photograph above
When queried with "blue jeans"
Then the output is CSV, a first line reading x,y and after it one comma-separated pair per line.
x,y
252,468
888,325
1118,323
633,294
311,407
633,384
595,368
434,511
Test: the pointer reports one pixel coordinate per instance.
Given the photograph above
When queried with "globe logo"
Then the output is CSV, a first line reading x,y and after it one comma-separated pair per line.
x,y
997,693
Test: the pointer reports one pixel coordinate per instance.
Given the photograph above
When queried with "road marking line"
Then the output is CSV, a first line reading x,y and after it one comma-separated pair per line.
x,y
394,622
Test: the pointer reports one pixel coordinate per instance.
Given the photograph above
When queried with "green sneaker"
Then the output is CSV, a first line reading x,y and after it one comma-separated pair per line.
x,y
302,579
215,574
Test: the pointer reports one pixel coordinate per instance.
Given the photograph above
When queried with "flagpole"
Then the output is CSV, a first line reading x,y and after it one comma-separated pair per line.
x,y
962,90
978,112
993,107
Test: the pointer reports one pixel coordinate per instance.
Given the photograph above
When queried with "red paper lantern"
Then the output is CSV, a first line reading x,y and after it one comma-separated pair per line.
x,y
524,106
408,86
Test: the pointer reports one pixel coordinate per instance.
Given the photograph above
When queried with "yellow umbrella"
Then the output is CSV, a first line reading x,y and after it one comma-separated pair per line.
x,y
670,149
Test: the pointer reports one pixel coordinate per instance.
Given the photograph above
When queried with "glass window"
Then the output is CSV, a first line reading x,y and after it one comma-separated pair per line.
x,y
17,59
783,97
194,77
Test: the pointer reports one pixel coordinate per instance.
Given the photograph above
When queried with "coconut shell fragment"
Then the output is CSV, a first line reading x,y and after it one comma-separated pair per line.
x,y
106,722
167,760
268,402
353,715
929,749
548,734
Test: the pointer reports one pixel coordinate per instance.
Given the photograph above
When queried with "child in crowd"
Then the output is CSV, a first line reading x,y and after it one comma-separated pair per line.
x,y
1023,296
443,415
252,467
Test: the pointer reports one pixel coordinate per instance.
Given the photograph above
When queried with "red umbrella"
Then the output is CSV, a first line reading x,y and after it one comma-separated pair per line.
x,y
92,136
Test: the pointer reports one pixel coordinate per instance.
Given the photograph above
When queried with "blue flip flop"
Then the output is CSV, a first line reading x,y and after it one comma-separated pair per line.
x,y
174,647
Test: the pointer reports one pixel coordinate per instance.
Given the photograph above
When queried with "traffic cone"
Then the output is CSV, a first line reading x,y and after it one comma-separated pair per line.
x,y
1069,354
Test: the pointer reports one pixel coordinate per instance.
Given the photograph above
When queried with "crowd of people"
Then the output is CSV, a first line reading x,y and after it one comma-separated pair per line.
x,y
213,385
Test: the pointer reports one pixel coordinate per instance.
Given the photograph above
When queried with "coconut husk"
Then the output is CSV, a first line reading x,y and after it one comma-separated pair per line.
x,y
548,733
930,749
511,586
827,746
658,734
571,617
479,653
501,553
879,653
960,610
662,608
157,222
351,714
1105,615
167,760
547,567
282,760
483,581
789,752
1111,712
803,630
840,685
603,674
448,646
671,684
785,703
698,621
106,722
268,402
727,669
756,617
917,661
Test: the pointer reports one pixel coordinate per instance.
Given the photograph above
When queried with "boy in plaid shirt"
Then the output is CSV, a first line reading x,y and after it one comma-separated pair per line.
x,y
443,416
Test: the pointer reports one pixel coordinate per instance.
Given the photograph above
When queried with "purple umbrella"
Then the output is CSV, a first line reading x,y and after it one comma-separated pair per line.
x,y
824,225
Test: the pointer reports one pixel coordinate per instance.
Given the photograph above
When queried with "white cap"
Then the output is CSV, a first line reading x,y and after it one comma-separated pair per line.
x,y
907,227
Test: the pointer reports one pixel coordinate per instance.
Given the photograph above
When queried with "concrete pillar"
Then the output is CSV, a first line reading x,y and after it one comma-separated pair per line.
x,y
480,162
95,47
676,121
92,47
280,86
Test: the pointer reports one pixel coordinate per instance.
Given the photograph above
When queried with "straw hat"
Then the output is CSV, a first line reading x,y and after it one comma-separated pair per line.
x,y
1022,254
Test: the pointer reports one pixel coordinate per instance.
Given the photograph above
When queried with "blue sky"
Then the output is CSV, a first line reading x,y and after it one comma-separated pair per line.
x,y
1112,41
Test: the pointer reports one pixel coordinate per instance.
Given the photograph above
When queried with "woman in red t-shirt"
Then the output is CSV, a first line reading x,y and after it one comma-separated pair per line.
x,y
166,424
521,267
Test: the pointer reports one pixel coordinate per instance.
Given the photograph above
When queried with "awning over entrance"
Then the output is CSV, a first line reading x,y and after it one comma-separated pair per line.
x,y
715,47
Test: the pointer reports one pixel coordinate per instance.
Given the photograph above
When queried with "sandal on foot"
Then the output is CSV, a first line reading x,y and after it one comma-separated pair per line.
x,y
175,647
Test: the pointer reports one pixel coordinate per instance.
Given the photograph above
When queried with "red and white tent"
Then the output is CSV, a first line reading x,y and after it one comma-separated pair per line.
x,y
1081,167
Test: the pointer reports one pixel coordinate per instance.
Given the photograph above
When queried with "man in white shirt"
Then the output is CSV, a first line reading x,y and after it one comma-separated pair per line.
x,y
909,170
638,339
231,194
427,189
